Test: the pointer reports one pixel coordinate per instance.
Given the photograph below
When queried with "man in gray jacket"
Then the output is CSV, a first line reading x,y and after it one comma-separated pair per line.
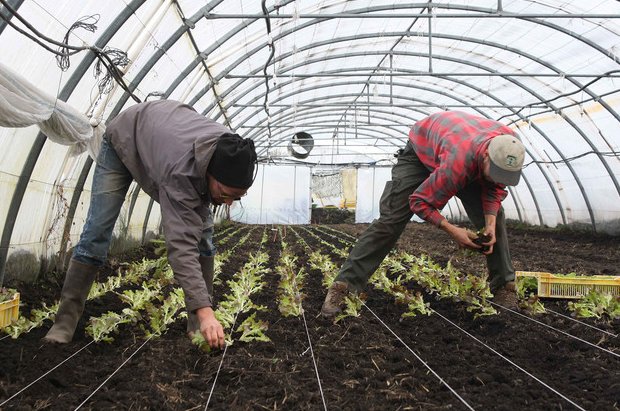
x,y
185,162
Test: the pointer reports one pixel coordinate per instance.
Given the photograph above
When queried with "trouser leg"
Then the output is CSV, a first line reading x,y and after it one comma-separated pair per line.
x,y
381,236
499,262
111,180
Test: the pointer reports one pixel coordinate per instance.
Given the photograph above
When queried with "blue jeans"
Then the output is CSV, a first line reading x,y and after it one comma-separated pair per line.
x,y
110,184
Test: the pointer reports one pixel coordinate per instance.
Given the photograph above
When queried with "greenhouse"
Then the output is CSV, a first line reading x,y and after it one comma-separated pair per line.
x,y
310,204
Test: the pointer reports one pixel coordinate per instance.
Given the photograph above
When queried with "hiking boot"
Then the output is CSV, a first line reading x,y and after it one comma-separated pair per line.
x,y
506,296
334,299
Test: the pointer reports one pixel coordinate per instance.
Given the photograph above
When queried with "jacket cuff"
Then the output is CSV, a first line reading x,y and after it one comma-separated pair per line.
x,y
199,301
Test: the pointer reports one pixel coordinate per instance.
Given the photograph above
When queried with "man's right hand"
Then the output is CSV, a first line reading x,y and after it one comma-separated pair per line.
x,y
460,235
210,327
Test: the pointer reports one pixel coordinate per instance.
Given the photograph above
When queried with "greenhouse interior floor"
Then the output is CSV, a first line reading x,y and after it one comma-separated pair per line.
x,y
375,361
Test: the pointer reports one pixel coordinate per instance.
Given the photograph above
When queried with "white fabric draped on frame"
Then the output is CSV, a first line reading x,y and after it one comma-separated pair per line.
x,y
23,105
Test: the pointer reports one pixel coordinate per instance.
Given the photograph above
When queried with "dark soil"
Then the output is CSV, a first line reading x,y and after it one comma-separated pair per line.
x,y
503,362
321,215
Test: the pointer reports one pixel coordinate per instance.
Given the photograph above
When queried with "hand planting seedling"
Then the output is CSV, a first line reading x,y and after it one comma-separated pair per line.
x,y
479,238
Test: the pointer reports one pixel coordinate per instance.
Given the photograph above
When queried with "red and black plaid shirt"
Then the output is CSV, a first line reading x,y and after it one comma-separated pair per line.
x,y
450,144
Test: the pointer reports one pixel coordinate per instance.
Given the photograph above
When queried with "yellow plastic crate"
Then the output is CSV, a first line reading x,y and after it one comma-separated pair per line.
x,y
554,286
9,310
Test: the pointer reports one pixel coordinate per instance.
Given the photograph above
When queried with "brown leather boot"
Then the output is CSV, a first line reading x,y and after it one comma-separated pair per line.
x,y
334,299
207,265
78,281
506,296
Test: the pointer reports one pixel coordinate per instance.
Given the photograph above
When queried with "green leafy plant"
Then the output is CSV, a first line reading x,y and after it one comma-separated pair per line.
x,y
527,288
161,317
290,285
598,305
252,329
6,294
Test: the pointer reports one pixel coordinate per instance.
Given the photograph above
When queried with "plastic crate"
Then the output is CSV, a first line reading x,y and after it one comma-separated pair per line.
x,y
558,286
9,310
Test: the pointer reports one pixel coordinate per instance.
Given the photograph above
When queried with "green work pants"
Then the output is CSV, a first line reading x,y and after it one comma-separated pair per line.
x,y
381,236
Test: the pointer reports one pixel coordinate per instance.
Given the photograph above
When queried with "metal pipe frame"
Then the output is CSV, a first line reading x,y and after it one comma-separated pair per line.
x,y
220,16
540,98
527,183
369,12
40,140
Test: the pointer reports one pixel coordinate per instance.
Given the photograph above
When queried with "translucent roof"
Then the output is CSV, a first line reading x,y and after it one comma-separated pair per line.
x,y
353,74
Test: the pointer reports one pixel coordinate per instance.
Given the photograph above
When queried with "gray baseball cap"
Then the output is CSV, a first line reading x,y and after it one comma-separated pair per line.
x,y
506,153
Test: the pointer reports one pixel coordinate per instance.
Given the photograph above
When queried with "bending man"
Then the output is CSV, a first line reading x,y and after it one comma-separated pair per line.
x,y
448,154
185,162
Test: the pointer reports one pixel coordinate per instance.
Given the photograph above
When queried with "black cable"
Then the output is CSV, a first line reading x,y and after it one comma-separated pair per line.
x,y
110,63
118,58
31,37
272,52
63,57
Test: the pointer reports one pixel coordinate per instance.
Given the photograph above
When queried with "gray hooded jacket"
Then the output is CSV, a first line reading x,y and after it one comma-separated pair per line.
x,y
166,146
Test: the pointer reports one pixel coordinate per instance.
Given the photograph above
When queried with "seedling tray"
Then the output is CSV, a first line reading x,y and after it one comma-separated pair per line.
x,y
561,286
9,311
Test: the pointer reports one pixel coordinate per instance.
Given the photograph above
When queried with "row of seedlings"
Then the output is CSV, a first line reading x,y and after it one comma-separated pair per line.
x,y
446,286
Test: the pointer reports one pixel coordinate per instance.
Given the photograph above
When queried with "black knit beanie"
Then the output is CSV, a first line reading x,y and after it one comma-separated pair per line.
x,y
233,161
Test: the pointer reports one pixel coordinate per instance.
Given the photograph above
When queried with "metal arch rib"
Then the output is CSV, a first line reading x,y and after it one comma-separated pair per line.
x,y
535,94
527,182
40,139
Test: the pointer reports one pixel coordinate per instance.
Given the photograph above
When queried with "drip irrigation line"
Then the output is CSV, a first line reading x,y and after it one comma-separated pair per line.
x,y
112,375
219,367
512,362
316,367
216,375
48,372
563,332
419,359
581,322
6,336
557,330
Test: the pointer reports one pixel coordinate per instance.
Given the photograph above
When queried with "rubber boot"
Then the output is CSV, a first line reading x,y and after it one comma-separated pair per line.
x,y
78,281
207,265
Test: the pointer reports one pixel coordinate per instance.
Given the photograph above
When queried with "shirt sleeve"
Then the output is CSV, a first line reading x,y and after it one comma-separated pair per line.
x,y
434,193
183,229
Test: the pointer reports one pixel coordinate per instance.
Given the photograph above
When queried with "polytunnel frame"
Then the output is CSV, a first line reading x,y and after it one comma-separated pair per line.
x,y
425,113
506,77
534,199
37,145
135,4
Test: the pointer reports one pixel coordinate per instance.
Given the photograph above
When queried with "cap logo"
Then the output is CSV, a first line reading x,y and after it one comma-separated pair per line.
x,y
511,161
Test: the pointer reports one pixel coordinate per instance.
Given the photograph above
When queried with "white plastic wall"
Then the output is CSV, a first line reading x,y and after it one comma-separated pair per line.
x,y
279,195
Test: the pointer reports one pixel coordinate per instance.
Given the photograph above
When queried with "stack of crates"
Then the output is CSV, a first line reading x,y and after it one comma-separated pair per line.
x,y
559,286
9,311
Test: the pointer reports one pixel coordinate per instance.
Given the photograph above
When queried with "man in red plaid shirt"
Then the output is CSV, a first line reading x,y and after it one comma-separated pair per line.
x,y
448,154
